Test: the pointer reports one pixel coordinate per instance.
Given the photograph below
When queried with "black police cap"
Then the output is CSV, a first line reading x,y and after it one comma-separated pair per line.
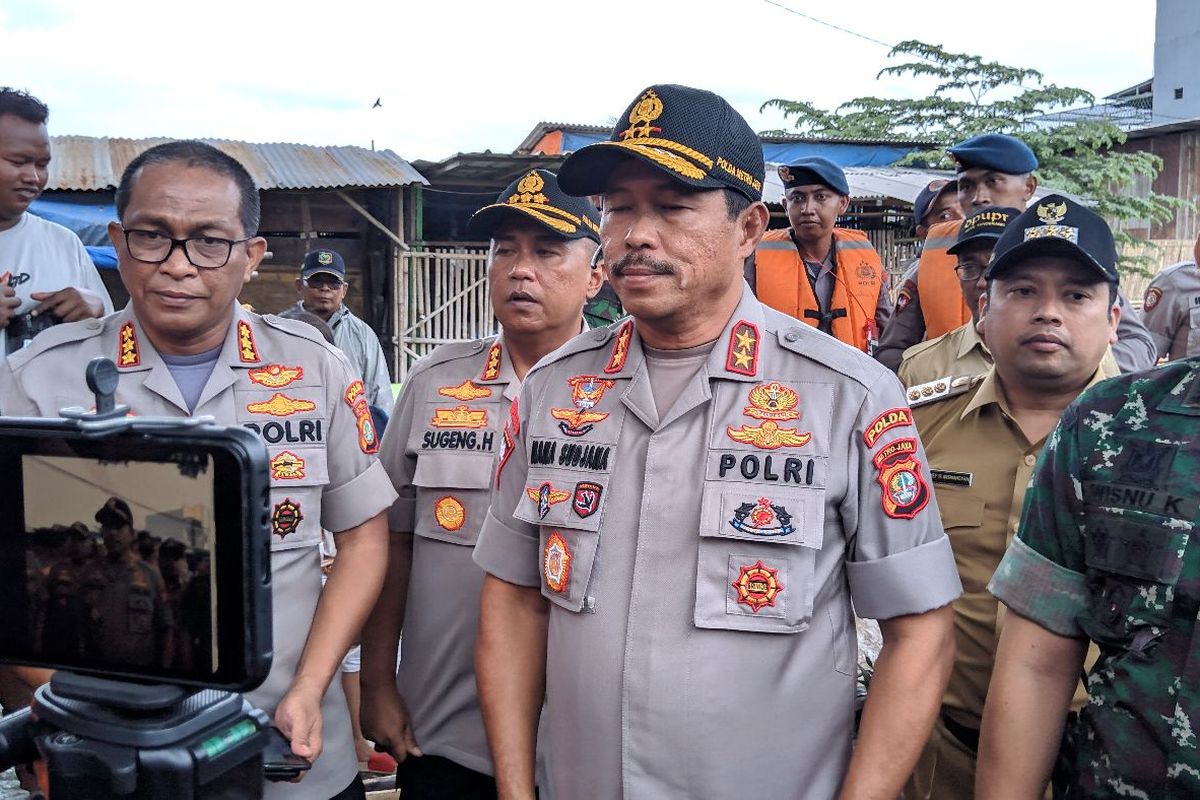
x,y
114,513
323,261
537,196
1057,226
984,225
692,135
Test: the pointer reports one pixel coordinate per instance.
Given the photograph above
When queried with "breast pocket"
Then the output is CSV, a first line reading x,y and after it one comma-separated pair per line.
x,y
1133,565
757,557
1193,341
453,492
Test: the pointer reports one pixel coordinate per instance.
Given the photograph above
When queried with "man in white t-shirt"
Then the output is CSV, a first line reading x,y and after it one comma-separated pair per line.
x,y
46,276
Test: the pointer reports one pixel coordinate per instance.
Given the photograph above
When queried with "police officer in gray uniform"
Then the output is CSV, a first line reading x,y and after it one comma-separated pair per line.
x,y
687,504
440,452
186,245
1171,309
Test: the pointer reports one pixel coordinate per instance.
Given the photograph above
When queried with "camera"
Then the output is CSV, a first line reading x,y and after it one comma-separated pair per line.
x,y
135,561
23,327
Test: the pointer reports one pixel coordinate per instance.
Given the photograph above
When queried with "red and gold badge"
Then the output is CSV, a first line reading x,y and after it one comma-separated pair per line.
x,y
465,391
286,517
768,436
287,466
556,563
461,416
449,513
586,391
620,351
280,405
742,357
892,418
247,350
1153,295
545,496
491,369
128,354
275,376
905,492
757,586
508,438
356,398
773,401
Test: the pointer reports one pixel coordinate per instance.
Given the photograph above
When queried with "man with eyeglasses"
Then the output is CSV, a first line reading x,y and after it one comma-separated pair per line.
x,y
186,245
46,275
322,285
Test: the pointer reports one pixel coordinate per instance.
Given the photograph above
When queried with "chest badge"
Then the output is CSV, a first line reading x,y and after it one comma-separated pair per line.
x,y
773,401
461,416
287,466
546,496
286,517
757,586
586,392
465,391
556,563
587,498
762,519
280,405
275,376
449,513
768,436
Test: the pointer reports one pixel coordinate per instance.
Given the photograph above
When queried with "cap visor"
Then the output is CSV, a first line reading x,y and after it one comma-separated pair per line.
x,y
586,171
1047,246
308,273
978,238
485,221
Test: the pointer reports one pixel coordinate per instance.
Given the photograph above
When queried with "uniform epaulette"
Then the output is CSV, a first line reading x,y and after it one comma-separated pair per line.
x,y
450,351
921,347
828,351
299,328
58,335
940,389
588,340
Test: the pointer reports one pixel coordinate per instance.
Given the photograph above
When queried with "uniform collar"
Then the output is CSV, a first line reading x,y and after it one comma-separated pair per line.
x,y
1184,397
988,392
969,339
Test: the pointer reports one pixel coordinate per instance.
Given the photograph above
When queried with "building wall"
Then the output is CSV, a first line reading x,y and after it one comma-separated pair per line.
x,y
1180,177
1176,39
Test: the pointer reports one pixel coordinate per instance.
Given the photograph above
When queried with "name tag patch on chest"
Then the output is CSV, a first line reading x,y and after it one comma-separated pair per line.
x,y
482,441
951,478
546,452
291,431
1141,498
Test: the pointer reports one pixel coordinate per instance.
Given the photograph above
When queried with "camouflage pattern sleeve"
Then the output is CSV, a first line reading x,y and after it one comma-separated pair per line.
x,y
1042,574
603,309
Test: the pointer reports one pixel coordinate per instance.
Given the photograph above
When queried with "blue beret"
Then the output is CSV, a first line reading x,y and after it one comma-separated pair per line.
x,y
814,169
996,151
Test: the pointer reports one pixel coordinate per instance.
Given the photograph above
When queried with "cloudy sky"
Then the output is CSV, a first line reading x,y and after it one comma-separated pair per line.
x,y
461,75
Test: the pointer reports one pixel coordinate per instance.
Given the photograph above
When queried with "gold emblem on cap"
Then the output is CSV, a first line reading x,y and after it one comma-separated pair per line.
x,y
324,258
1051,213
785,174
529,190
647,109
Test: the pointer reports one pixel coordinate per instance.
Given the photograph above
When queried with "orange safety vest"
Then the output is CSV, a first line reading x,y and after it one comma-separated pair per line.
x,y
782,283
942,302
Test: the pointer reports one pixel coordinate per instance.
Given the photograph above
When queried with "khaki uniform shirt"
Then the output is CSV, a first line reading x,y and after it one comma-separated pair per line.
x,y
981,463
1171,311
700,564
127,612
960,352
280,379
440,452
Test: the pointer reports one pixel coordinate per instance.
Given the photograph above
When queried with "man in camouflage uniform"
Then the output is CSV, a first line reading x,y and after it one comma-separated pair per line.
x,y
440,452
1104,555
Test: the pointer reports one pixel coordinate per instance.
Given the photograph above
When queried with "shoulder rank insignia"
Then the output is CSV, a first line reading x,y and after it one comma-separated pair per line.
x,y
287,466
620,351
356,398
556,563
449,513
247,350
743,349
280,405
757,586
773,401
275,376
491,368
768,436
545,496
286,517
905,492
461,416
465,391
948,386
128,354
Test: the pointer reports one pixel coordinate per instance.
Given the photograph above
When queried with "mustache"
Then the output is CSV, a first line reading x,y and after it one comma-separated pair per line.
x,y
655,266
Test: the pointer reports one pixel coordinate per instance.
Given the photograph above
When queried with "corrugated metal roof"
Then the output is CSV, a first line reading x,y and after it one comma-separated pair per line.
x,y
88,163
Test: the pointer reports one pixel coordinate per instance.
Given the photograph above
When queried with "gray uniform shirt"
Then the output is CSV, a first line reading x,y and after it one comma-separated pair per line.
x,y
358,341
701,567
439,450
1171,310
281,380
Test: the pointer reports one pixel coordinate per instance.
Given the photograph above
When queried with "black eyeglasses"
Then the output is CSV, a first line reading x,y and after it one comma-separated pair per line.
x,y
968,272
203,252
323,282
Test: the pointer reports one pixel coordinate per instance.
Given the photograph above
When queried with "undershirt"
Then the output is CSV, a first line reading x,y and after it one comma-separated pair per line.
x,y
670,371
191,373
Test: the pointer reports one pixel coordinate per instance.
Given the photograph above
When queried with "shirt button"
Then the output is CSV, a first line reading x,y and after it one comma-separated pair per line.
x,y
1030,460
791,336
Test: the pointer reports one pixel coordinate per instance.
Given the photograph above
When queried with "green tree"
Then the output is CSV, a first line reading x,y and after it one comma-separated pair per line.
x,y
974,96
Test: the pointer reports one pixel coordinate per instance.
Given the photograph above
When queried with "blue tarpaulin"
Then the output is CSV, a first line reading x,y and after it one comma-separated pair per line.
x,y
88,218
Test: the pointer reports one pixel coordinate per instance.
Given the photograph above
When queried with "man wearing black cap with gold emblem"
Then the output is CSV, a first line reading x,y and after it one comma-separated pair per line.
x,y
826,276
688,503
440,450
1048,314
